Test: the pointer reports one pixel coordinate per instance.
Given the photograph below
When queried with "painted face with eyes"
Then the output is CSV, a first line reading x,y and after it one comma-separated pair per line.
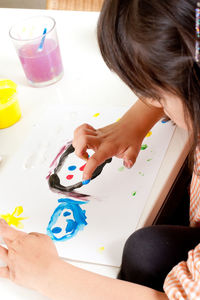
x,y
67,219
173,108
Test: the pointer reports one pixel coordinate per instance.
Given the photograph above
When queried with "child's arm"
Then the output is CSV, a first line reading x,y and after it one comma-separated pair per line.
x,y
33,262
122,139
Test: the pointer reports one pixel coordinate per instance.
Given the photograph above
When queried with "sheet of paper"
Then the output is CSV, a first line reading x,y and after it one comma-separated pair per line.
x,y
94,231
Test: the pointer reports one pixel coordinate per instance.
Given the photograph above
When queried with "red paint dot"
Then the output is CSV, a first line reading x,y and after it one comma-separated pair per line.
x,y
69,177
82,168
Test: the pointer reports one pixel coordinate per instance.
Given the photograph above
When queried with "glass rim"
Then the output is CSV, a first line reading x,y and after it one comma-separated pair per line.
x,y
35,38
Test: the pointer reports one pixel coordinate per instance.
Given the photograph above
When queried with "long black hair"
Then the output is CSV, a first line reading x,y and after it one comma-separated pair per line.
x,y
151,44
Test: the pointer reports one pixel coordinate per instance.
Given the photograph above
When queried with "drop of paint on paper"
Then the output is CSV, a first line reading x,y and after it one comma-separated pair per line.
x,y
69,177
133,194
72,168
149,134
121,169
101,249
96,115
144,146
56,229
149,159
66,213
82,168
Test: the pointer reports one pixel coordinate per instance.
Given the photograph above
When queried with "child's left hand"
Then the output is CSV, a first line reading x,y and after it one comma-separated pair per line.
x,y
29,257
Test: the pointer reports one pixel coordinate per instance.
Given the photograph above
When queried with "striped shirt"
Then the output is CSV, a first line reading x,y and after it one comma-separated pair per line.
x,y
183,282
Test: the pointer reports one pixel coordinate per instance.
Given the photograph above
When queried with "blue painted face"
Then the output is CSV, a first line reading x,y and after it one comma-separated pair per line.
x,y
74,216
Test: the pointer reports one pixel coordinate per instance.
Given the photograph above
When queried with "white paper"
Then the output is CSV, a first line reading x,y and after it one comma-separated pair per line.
x,y
120,194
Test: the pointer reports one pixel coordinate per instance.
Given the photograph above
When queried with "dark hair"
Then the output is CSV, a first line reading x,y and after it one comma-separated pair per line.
x,y
151,44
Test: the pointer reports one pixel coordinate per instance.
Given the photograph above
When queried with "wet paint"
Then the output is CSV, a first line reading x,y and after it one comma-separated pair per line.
x,y
82,168
96,115
84,182
144,146
133,194
69,177
54,180
76,222
121,169
14,219
72,168
149,159
101,249
149,134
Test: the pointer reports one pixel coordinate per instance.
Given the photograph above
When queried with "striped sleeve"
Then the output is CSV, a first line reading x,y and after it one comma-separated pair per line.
x,y
183,282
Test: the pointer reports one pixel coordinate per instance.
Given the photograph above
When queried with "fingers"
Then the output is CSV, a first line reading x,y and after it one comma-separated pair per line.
x,y
93,162
129,157
4,272
8,233
4,254
84,138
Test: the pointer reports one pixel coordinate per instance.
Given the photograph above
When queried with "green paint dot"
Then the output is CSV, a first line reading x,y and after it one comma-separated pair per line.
x,y
134,193
143,147
149,159
121,169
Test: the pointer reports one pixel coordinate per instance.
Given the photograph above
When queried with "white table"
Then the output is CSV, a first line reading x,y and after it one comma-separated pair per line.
x,y
87,80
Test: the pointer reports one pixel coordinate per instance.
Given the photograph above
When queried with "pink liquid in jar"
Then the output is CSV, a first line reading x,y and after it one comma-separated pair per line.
x,y
41,66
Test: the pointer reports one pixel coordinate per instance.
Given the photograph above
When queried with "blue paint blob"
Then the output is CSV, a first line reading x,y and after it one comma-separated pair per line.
x,y
66,213
84,182
72,168
73,226
56,229
70,226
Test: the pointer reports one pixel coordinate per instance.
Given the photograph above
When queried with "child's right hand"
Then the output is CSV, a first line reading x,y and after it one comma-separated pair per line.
x,y
121,139
112,140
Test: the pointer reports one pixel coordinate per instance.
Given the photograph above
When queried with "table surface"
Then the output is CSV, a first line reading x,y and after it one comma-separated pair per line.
x,y
85,69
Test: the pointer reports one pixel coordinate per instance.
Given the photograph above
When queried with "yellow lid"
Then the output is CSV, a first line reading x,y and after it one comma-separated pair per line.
x,y
7,89
10,111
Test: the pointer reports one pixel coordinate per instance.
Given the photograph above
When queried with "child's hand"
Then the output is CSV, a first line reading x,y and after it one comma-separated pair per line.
x,y
113,140
29,257
122,139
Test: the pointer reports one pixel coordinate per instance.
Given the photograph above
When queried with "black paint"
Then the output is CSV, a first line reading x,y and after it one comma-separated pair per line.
x,y
54,180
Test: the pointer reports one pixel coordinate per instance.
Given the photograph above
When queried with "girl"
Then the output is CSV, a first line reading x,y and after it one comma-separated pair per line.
x,y
151,46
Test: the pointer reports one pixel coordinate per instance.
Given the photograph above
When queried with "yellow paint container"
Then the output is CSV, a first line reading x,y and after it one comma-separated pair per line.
x,y
10,111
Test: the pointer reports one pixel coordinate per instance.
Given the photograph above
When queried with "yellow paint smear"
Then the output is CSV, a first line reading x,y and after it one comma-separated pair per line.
x,y
118,119
14,219
96,115
101,249
149,134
